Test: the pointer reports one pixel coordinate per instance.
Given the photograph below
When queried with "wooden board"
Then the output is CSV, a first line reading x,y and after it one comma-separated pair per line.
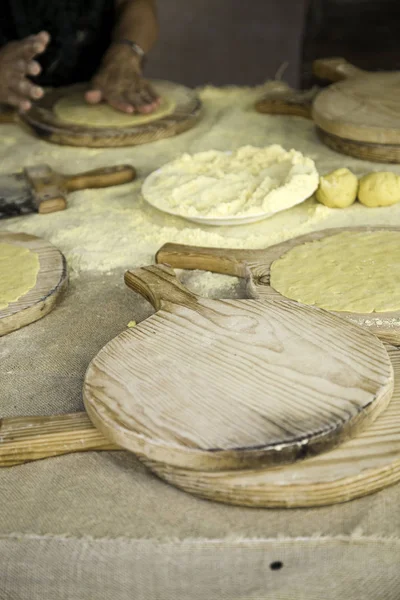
x,y
210,384
358,115
43,121
362,108
51,282
361,466
255,265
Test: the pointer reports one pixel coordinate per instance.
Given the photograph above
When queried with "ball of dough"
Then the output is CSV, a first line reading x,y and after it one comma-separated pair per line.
x,y
337,189
379,189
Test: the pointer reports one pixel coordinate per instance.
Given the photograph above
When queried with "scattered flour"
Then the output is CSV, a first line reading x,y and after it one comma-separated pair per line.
x,y
114,229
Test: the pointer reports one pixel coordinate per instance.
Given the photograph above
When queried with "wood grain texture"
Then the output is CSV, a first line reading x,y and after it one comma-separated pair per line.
x,y
208,384
255,265
363,107
51,281
43,121
26,439
361,466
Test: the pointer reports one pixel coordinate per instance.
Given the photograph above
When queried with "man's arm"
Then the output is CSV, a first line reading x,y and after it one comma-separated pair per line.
x,y
119,79
137,22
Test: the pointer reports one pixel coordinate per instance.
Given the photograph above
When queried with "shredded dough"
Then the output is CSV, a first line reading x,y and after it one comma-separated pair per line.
x,y
351,271
75,110
248,181
18,272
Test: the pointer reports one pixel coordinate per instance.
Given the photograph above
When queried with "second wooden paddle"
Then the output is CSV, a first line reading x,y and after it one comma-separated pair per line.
x,y
357,115
255,266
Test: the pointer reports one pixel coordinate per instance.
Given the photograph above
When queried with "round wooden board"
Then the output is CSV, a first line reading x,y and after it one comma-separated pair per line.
x,y
255,265
364,108
51,281
42,119
384,153
359,467
231,384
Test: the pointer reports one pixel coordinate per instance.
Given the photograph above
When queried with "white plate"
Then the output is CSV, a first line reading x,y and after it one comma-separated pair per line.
x,y
214,221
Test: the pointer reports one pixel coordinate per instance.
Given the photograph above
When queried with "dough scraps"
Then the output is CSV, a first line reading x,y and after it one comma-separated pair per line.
x,y
74,109
19,268
351,271
248,181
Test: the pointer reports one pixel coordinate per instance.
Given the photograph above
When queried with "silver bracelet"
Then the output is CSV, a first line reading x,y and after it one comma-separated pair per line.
x,y
134,47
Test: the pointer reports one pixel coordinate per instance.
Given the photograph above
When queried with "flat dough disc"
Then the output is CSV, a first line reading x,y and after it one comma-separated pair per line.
x,y
351,271
74,109
19,268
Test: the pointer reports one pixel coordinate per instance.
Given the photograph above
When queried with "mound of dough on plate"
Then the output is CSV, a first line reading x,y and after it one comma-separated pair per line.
x,y
75,110
248,181
351,271
19,268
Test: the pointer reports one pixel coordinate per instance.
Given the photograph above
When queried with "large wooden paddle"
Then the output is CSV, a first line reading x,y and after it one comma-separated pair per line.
x,y
226,384
255,266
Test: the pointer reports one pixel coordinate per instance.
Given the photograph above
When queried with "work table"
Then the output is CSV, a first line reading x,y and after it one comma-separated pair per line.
x,y
98,525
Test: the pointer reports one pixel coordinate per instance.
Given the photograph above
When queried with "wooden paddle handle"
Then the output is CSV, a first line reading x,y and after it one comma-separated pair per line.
x,y
159,285
335,69
100,178
286,101
25,439
216,260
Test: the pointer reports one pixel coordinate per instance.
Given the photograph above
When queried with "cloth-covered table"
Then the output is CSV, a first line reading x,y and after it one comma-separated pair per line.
x,y
98,525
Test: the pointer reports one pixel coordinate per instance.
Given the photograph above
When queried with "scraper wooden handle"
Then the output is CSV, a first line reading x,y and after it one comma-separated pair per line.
x,y
217,260
25,439
335,69
100,178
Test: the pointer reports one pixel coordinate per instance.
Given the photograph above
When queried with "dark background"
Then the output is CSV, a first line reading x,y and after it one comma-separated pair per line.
x,y
246,41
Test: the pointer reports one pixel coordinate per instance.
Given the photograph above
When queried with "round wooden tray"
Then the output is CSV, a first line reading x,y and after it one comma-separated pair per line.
x,y
361,466
51,281
43,121
255,265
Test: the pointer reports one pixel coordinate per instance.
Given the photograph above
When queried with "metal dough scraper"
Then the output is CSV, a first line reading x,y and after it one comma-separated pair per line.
x,y
40,189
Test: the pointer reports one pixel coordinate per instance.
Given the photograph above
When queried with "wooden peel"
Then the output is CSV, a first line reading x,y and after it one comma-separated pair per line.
x,y
358,115
361,466
43,121
254,265
214,385
40,189
51,282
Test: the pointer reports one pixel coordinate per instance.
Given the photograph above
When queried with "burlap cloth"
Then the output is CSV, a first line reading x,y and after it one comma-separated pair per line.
x,y
98,525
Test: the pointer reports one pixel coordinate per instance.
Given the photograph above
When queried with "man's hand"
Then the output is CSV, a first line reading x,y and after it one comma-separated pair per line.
x,y
119,82
16,64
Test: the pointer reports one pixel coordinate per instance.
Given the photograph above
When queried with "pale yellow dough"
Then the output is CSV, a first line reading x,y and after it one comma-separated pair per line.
x,y
379,189
337,189
73,109
352,271
19,268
